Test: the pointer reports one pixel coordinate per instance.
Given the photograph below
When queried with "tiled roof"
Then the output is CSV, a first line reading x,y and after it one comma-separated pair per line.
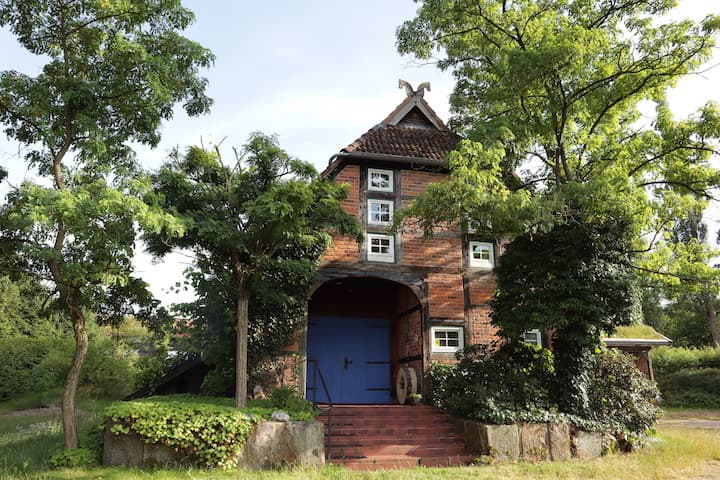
x,y
405,141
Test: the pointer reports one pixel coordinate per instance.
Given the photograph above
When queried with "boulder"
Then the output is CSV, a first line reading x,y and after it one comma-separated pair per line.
x,y
588,445
534,442
283,444
500,441
559,440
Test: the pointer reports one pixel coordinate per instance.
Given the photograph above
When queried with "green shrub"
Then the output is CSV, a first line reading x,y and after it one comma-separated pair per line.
x,y
494,386
72,458
208,431
620,396
667,360
22,369
513,384
38,364
691,388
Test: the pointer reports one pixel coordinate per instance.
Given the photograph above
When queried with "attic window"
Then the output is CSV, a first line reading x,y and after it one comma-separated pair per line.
x,y
380,180
481,255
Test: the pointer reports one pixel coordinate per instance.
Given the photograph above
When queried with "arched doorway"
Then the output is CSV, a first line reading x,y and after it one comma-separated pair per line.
x,y
359,331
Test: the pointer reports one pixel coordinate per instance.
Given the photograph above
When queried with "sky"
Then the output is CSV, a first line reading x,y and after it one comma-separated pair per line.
x,y
317,73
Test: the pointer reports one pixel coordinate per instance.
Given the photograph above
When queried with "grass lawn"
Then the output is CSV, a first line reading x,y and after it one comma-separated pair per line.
x,y
27,441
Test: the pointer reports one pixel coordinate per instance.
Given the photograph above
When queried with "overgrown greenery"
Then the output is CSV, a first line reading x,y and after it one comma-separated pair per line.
x,y
210,432
113,72
257,226
573,281
514,383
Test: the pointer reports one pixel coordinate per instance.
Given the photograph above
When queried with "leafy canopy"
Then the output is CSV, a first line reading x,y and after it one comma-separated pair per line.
x,y
552,90
114,72
257,227
558,157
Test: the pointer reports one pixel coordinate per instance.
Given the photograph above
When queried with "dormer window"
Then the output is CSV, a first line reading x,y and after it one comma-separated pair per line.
x,y
380,180
481,255
380,212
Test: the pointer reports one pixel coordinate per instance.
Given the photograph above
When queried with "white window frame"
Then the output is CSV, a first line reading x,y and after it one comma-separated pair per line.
x,y
372,221
389,173
538,334
446,349
481,262
380,257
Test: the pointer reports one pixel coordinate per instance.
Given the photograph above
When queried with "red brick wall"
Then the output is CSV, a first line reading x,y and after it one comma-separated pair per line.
x,y
455,294
344,248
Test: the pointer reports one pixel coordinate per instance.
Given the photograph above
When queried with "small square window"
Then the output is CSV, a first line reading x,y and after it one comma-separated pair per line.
x,y
380,180
481,255
380,248
446,339
380,212
533,337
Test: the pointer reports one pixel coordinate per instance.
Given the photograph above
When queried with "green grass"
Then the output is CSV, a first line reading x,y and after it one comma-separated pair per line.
x,y
637,331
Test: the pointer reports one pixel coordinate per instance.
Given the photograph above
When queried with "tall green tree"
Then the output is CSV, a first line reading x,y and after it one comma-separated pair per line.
x,y
114,72
551,90
264,214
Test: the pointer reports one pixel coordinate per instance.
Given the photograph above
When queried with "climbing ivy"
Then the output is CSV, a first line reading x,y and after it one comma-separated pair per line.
x,y
209,432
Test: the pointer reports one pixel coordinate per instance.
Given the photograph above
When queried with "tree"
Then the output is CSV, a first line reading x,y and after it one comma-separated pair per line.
x,y
689,239
266,214
114,72
550,89
570,281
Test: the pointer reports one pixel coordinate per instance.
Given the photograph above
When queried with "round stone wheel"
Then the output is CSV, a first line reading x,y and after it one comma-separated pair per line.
x,y
405,384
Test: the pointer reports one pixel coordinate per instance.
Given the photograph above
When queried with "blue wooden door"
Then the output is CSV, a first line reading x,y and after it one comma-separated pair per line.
x,y
354,357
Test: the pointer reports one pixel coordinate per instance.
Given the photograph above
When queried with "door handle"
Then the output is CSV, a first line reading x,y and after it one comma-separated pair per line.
x,y
347,362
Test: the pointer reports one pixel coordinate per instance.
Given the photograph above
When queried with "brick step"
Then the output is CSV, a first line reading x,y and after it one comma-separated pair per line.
x,y
355,440
406,412
372,451
396,422
379,431
429,423
389,462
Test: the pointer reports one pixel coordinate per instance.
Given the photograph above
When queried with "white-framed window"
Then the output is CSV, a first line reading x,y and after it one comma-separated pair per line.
x,y
380,248
380,212
446,339
481,255
533,337
380,180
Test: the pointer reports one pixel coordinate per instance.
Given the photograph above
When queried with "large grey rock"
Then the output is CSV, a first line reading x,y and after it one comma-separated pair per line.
x,y
500,441
282,444
130,450
559,440
127,450
588,445
534,442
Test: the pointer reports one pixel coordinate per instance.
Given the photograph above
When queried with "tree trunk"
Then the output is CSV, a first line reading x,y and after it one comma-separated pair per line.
x,y
711,314
69,422
241,365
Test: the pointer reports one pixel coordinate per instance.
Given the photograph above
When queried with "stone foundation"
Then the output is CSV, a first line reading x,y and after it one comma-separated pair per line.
x,y
532,441
271,445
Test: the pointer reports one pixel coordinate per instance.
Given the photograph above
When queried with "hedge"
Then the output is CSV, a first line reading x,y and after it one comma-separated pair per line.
x,y
667,360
